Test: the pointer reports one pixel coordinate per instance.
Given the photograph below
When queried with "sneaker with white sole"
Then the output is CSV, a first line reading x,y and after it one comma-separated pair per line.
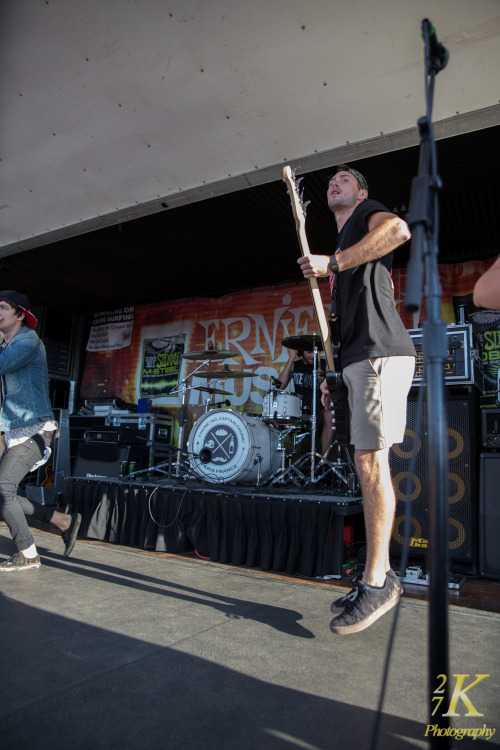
x,y
366,606
20,562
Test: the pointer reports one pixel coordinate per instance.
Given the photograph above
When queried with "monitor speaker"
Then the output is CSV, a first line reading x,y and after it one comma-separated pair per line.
x,y
461,481
96,460
489,515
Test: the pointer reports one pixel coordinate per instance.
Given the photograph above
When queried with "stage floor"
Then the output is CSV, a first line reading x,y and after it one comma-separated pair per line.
x,y
138,649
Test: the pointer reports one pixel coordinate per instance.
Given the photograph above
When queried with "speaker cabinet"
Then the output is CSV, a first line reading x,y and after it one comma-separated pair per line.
x,y
461,419
489,515
96,460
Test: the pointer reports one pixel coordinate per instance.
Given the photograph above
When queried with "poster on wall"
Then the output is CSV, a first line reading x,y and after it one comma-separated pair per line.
x,y
161,365
111,330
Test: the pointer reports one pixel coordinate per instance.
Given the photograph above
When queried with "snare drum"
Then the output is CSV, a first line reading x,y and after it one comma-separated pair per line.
x,y
228,446
281,408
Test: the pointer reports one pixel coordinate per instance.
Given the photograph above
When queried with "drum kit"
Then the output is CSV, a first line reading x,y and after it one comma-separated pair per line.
x,y
226,445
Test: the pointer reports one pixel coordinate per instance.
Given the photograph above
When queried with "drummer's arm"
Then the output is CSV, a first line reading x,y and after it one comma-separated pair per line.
x,y
286,373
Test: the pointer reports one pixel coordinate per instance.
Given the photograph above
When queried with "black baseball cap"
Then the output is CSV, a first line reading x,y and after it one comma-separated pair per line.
x,y
21,301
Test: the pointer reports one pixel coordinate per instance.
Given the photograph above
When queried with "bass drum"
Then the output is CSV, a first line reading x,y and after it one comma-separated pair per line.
x,y
232,447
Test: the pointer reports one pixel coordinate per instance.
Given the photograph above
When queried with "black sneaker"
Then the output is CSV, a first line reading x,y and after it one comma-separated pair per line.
x,y
20,562
341,603
69,536
351,596
367,606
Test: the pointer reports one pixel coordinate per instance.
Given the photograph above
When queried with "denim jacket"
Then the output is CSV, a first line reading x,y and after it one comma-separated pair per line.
x,y
24,381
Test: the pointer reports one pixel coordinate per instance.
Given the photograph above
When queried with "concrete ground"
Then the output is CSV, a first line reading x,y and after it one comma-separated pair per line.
x,y
121,648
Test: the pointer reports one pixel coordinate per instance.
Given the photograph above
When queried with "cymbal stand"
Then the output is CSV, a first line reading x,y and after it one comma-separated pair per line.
x,y
293,471
182,413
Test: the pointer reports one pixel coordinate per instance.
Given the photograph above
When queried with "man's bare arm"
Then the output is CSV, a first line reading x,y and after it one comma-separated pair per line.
x,y
487,288
386,233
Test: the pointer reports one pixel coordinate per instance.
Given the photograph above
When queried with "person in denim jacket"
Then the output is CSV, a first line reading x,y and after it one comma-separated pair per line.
x,y
28,427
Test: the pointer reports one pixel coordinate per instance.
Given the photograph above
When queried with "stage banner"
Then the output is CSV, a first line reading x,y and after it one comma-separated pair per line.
x,y
250,323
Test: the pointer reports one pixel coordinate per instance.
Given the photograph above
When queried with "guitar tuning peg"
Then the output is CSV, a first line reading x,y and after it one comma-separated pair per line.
x,y
297,182
305,205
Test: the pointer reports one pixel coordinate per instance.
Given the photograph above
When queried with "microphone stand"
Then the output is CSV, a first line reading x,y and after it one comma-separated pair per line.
x,y
423,219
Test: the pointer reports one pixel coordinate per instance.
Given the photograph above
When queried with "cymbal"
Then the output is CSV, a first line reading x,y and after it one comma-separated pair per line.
x,y
209,354
220,374
208,389
304,343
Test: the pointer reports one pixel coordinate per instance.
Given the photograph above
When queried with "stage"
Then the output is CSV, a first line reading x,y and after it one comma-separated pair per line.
x,y
279,528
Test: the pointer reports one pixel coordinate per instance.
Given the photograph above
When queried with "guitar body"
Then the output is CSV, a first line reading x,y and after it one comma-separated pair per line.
x,y
338,394
334,379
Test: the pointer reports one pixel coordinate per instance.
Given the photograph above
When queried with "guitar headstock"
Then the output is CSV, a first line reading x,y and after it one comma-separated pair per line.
x,y
299,206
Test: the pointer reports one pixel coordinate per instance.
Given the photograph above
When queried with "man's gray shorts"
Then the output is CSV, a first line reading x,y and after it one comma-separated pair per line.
x,y
378,390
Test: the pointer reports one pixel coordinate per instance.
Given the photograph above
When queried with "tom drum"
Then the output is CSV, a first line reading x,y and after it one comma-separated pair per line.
x,y
281,408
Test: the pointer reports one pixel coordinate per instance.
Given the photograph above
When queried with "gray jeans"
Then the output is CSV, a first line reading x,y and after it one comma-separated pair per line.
x,y
14,465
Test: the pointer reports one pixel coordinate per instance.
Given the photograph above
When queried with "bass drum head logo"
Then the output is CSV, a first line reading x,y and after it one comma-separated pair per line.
x,y
222,442
222,435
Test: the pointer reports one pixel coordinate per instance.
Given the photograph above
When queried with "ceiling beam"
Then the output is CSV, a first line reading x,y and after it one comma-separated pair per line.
x,y
453,126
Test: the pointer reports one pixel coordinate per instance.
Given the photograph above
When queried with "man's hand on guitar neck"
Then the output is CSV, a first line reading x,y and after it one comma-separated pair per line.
x,y
314,266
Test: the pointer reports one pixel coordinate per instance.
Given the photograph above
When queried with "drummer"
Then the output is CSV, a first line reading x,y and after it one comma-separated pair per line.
x,y
301,372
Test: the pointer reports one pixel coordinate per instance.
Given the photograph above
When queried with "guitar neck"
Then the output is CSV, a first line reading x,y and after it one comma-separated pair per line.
x,y
324,328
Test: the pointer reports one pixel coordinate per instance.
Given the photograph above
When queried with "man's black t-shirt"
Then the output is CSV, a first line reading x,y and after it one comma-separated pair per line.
x,y
363,299
303,384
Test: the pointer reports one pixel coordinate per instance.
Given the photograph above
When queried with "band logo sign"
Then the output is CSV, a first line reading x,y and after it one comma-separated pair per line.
x,y
161,365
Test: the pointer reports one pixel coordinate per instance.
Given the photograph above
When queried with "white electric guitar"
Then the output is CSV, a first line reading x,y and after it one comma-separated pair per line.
x,y
336,386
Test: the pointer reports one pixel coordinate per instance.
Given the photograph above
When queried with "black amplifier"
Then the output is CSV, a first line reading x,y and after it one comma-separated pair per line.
x,y
102,436
490,427
461,365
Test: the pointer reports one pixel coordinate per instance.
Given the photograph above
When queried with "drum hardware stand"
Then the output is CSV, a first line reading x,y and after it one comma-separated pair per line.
x,y
258,460
160,467
314,415
343,469
279,476
182,413
293,470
